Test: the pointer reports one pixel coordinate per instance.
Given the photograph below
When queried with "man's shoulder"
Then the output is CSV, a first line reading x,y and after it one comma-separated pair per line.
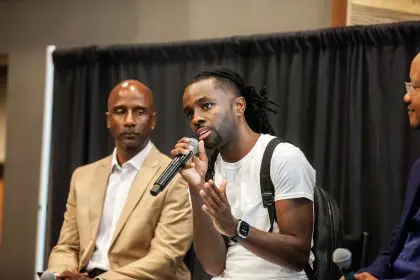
x,y
287,156
283,145
161,157
90,166
416,167
414,178
283,150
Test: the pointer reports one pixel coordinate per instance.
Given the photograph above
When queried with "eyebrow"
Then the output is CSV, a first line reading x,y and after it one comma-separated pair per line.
x,y
136,107
199,101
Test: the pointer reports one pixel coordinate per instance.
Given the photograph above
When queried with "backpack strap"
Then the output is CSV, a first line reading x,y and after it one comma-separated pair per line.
x,y
267,192
267,187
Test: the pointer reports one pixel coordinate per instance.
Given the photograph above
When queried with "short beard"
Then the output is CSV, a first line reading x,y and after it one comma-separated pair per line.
x,y
215,143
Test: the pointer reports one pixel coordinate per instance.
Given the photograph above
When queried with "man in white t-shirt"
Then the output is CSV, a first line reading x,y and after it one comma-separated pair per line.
x,y
230,117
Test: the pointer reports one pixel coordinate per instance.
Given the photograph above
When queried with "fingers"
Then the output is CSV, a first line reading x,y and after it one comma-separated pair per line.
x,y
222,189
64,275
202,151
210,196
214,200
184,147
360,276
364,276
218,193
208,211
181,148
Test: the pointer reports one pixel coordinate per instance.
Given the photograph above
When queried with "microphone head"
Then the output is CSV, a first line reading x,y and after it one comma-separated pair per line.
x,y
194,144
48,276
342,257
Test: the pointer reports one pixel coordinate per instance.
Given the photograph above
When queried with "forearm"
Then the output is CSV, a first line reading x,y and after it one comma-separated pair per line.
x,y
208,242
63,258
282,249
155,265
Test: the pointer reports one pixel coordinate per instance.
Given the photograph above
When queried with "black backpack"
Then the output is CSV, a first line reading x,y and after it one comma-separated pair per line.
x,y
327,220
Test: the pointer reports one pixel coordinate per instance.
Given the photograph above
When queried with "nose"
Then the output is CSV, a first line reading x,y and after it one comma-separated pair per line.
x,y
407,98
129,119
197,120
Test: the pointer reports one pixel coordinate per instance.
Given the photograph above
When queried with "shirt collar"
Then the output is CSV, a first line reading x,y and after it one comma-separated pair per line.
x,y
135,161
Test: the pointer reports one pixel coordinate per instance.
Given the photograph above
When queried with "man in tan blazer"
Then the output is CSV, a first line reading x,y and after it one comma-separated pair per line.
x,y
113,227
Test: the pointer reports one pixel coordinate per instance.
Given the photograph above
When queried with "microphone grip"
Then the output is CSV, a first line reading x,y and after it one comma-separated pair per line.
x,y
348,273
168,174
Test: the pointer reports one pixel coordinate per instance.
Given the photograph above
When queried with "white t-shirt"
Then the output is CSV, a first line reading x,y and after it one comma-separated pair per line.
x,y
292,176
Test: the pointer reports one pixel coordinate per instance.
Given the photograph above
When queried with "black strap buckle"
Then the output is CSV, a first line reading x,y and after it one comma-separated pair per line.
x,y
268,199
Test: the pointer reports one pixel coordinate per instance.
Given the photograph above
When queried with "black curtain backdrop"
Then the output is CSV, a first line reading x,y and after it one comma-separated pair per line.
x,y
340,93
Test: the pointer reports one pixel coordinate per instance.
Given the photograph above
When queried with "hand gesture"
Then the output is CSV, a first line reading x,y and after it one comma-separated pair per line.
x,y
194,170
217,206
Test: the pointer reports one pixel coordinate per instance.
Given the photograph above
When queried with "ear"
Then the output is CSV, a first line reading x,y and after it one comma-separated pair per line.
x,y
240,105
108,122
154,118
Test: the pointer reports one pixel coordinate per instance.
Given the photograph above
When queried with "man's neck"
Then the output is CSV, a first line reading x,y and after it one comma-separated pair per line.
x,y
241,145
124,154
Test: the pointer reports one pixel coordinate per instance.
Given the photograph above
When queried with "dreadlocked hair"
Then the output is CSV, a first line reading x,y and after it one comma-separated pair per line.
x,y
257,103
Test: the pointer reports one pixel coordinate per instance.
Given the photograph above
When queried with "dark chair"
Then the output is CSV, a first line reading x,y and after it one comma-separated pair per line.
x,y
359,248
328,236
328,232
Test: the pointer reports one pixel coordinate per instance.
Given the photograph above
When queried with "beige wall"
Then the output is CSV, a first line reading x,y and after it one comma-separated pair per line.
x,y
3,87
27,27
382,11
408,6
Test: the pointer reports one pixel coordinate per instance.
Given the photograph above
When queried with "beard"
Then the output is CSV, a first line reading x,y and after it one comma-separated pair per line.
x,y
213,141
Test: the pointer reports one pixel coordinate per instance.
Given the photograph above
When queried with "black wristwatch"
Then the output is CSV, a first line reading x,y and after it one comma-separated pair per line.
x,y
242,232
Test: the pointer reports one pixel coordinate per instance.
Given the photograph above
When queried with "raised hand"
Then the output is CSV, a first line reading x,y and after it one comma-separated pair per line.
x,y
194,170
217,206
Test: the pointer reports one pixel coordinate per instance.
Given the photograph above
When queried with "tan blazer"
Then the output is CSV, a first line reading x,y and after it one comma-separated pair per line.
x,y
151,237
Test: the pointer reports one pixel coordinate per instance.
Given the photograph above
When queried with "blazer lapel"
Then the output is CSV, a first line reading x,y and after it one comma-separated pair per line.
x,y
141,183
97,195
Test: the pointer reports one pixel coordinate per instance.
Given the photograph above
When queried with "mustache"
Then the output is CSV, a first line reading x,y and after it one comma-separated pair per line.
x,y
129,133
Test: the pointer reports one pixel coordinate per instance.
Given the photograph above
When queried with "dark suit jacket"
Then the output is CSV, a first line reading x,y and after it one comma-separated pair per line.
x,y
382,266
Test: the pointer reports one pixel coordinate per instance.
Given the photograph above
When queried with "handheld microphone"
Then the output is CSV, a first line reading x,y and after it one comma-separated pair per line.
x,y
342,258
173,168
48,276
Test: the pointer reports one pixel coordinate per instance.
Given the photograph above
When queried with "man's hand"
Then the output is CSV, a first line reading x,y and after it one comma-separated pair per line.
x,y
194,170
217,207
70,275
363,276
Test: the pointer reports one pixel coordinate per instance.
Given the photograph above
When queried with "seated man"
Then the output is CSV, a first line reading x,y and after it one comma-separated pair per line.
x,y
401,258
113,228
231,117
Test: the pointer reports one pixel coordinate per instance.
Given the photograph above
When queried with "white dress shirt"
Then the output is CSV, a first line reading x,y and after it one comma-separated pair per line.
x,y
119,185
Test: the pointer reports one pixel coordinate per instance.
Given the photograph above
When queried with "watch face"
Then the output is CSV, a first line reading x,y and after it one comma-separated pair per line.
x,y
243,230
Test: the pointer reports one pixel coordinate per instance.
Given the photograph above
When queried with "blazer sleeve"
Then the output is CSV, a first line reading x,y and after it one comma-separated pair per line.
x,y
412,276
381,266
64,256
172,240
